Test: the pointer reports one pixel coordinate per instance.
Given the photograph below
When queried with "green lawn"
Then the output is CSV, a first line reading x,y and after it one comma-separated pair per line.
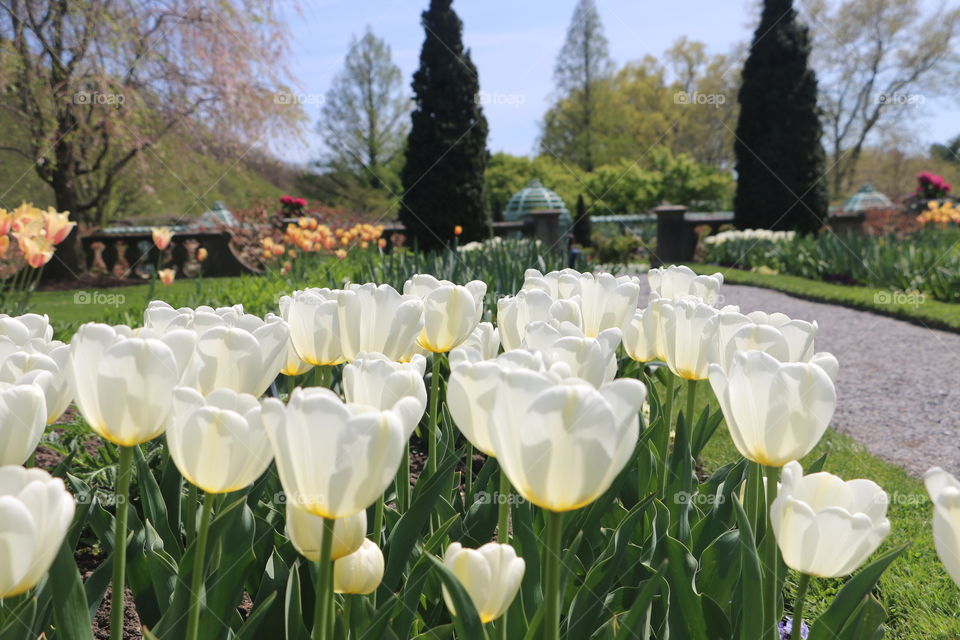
x,y
928,312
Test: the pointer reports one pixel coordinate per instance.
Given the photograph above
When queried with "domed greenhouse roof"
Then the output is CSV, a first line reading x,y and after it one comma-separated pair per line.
x,y
536,197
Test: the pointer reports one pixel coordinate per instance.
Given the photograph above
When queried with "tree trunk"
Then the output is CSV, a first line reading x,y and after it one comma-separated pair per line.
x,y
69,261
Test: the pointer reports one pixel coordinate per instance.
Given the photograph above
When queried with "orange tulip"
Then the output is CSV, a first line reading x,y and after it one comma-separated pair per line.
x,y
58,225
201,254
457,230
6,220
4,245
37,250
340,253
167,276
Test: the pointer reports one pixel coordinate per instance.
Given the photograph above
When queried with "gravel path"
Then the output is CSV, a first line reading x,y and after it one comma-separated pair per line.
x,y
897,391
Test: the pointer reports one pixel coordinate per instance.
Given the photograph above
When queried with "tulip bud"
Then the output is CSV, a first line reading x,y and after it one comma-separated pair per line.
x,y
305,531
218,443
35,513
826,527
167,276
775,412
491,575
334,459
360,572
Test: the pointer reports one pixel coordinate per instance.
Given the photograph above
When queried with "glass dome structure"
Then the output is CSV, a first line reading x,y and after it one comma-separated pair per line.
x,y
536,197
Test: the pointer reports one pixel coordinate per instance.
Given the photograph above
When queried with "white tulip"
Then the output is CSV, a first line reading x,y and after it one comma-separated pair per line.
x,y
491,576
377,382
776,412
482,344
675,282
378,319
44,364
218,443
360,572
473,386
826,527
313,316
944,492
23,415
685,324
556,284
305,531
245,358
334,459
605,301
562,444
591,359
35,513
293,365
123,385
29,326
515,313
450,311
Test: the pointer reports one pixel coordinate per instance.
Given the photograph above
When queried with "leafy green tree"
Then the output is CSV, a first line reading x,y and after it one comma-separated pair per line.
x,y
446,155
780,159
580,73
364,116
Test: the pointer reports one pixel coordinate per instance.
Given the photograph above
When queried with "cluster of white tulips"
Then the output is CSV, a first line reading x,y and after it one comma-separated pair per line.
x,y
750,234
538,392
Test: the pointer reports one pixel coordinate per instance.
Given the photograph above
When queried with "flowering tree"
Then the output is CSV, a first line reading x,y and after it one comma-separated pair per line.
x,y
95,84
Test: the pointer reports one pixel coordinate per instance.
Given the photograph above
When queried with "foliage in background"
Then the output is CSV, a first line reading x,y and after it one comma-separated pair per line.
x,y
448,125
925,263
780,159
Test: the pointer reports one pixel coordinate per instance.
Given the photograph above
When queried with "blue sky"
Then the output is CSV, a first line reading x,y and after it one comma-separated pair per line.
x,y
514,44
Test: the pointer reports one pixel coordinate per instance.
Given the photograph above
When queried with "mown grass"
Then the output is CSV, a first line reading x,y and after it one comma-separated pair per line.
x,y
921,600
910,307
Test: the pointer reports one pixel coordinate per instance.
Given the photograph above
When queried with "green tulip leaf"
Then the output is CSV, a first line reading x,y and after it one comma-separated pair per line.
x,y
70,612
750,623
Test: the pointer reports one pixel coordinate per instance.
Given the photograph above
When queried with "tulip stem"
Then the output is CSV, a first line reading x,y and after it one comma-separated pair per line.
x,y
403,481
321,612
796,626
503,509
772,559
432,425
377,520
124,471
551,570
666,421
199,564
691,408
190,517
468,470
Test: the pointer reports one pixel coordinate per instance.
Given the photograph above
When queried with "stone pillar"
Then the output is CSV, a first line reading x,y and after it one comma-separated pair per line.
x,y
546,228
674,241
